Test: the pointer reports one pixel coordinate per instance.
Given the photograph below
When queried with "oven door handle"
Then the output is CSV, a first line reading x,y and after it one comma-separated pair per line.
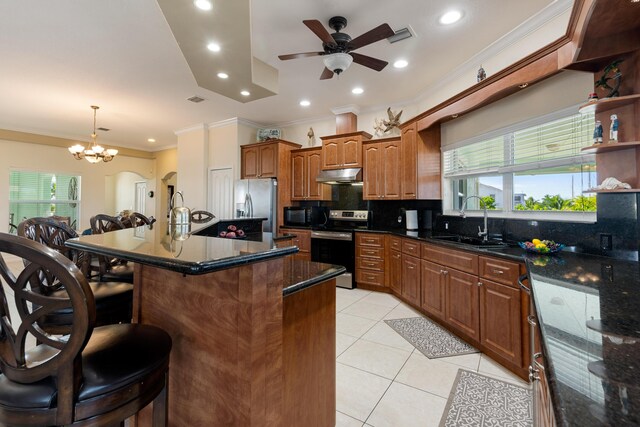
x,y
331,235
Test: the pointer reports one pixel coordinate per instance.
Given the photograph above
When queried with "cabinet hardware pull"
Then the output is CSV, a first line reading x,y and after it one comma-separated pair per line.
x,y
533,374
496,271
532,320
479,283
410,267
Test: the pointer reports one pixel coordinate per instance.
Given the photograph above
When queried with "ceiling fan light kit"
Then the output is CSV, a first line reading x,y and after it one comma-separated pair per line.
x,y
338,47
338,62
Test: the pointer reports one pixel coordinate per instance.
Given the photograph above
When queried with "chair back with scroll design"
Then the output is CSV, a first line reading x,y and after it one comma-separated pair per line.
x,y
200,217
137,219
90,375
102,223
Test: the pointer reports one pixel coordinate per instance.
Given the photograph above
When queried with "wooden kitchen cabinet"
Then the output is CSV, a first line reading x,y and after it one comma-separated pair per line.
x,y
370,260
259,160
343,151
433,279
382,169
395,271
420,163
411,271
302,240
500,325
305,167
462,303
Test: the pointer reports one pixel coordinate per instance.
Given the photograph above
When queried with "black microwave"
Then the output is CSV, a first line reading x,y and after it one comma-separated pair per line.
x,y
294,215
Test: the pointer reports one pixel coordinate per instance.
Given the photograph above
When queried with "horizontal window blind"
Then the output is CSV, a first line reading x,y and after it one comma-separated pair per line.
x,y
554,143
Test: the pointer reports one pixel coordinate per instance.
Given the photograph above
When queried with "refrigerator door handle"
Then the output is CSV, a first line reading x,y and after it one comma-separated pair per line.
x,y
248,205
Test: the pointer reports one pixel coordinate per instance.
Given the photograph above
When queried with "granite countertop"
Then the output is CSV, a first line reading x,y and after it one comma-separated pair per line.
x,y
182,250
304,274
587,311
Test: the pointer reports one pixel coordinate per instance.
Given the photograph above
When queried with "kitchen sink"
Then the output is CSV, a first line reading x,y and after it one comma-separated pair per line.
x,y
472,241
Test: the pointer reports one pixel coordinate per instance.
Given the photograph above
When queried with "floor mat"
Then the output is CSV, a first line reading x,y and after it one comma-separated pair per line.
x,y
480,401
432,340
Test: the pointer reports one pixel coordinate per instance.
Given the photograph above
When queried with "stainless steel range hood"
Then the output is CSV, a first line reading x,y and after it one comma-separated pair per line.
x,y
340,176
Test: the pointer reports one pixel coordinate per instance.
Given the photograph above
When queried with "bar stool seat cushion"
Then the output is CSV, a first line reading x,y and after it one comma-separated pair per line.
x,y
115,356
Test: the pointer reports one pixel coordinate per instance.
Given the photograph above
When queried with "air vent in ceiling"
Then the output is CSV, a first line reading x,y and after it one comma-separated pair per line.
x,y
195,99
104,129
402,34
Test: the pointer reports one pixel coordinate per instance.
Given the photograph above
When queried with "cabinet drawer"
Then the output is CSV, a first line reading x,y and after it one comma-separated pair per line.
x,y
368,239
369,252
411,247
370,264
459,260
370,277
395,243
499,270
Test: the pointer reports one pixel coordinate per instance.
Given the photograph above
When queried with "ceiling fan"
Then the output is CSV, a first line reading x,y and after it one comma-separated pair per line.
x,y
338,47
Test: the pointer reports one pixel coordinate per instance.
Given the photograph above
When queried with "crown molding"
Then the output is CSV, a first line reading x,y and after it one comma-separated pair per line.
x,y
350,108
236,121
200,126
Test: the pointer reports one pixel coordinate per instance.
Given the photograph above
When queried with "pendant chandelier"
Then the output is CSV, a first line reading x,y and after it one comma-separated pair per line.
x,y
95,153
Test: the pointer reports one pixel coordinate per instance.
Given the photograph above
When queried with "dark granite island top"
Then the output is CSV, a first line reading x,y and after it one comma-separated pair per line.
x,y
588,309
253,329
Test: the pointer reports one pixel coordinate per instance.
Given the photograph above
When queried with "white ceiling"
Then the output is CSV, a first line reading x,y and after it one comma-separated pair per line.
x,y
60,57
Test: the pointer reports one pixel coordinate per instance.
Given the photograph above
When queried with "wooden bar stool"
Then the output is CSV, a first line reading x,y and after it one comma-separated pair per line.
x,y
110,269
113,299
87,377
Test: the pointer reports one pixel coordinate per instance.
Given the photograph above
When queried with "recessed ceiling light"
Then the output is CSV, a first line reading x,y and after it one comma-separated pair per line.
x,y
151,140
203,4
450,17
245,93
357,90
223,75
400,63
305,103
213,47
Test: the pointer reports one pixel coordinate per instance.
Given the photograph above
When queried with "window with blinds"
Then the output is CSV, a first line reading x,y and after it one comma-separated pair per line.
x,y
42,194
538,166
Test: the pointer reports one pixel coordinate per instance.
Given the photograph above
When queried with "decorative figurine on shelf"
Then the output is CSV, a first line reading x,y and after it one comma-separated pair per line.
x,y
312,137
378,127
481,74
393,122
597,133
617,77
593,97
613,130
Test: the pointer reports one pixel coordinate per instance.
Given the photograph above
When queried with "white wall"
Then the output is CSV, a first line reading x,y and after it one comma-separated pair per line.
x,y
45,158
193,155
121,188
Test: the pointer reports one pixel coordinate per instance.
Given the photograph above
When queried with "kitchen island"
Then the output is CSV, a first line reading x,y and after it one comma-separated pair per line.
x,y
587,311
253,329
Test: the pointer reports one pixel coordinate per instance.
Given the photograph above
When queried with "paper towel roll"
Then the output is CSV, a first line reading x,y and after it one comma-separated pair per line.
x,y
412,220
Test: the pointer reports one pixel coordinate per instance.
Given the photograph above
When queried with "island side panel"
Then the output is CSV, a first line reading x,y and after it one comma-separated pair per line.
x,y
226,361
309,356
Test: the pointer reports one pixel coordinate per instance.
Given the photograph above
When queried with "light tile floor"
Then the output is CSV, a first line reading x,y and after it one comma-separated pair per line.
x,y
382,380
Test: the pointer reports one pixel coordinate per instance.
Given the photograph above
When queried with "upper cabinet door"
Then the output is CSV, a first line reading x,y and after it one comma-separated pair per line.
x,y
331,153
351,152
409,162
390,167
298,176
316,190
372,169
250,166
268,161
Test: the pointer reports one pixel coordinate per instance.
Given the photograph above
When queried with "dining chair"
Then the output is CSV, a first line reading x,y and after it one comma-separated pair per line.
x,y
200,217
90,376
137,219
113,299
109,268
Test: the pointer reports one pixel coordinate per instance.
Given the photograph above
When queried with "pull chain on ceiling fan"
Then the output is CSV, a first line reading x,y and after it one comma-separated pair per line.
x,y
338,47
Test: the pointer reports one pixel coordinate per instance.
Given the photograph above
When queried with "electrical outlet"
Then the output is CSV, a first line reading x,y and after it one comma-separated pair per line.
x,y
605,241
446,225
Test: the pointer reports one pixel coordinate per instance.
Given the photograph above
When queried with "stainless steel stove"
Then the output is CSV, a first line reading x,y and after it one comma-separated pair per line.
x,y
333,242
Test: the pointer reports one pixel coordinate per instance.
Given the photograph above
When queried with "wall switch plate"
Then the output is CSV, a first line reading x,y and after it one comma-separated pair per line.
x,y
605,241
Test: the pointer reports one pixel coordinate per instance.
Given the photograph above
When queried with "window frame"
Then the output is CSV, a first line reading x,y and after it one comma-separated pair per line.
x,y
508,171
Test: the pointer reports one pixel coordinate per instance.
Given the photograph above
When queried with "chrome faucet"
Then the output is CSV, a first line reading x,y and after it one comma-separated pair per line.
x,y
481,233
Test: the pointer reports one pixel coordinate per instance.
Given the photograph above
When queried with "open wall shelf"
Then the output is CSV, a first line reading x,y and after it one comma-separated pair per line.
x,y
607,104
611,146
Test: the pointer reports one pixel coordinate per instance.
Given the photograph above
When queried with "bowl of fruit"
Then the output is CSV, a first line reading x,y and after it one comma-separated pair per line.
x,y
537,246
233,232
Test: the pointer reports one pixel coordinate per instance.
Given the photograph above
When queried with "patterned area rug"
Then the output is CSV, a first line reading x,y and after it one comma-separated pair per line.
x,y
432,340
480,401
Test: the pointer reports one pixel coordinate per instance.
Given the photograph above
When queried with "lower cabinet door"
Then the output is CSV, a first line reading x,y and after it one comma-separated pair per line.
x,y
395,272
433,288
500,320
462,303
411,278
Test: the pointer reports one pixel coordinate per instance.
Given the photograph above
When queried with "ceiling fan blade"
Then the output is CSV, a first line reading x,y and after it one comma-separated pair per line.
x,y
319,30
299,55
367,61
380,32
326,74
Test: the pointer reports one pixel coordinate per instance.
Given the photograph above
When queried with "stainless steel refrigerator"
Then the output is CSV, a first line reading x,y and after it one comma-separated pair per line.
x,y
257,198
